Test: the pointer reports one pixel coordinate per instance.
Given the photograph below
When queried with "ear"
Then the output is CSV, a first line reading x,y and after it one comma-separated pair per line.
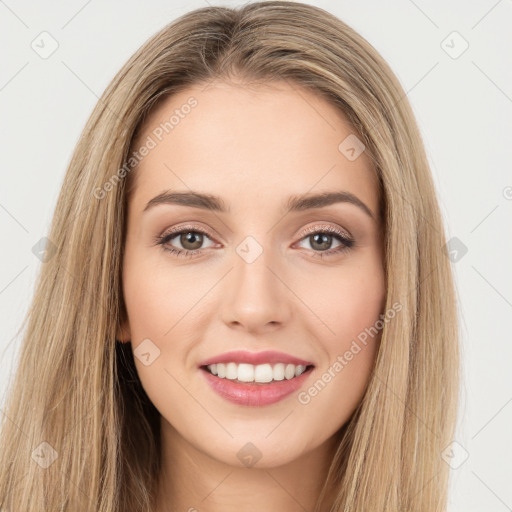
x,y
123,333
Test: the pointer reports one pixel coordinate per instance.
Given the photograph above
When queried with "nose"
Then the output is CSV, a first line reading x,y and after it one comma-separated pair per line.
x,y
257,299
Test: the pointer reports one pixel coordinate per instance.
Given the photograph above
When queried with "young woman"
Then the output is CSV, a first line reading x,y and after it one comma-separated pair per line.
x,y
248,304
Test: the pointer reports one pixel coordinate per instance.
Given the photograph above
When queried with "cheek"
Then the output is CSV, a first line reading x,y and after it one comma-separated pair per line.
x,y
349,336
359,307
164,306
157,299
157,302
346,302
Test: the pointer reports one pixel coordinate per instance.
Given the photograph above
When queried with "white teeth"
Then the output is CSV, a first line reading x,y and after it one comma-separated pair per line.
x,y
245,372
289,371
279,371
256,373
263,373
231,371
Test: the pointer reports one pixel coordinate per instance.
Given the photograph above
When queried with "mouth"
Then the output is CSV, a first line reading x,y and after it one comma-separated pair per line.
x,y
259,375
255,378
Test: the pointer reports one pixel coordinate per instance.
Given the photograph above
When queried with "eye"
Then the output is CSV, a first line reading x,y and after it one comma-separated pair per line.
x,y
320,240
190,238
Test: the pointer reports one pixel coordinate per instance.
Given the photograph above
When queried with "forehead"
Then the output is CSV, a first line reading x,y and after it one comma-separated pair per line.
x,y
250,144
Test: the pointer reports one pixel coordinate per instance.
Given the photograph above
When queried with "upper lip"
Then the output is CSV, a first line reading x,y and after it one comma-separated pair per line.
x,y
254,358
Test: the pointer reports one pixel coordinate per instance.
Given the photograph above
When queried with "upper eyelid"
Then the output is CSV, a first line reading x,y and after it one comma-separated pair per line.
x,y
191,227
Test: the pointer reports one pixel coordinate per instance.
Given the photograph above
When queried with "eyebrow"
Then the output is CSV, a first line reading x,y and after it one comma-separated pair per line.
x,y
295,203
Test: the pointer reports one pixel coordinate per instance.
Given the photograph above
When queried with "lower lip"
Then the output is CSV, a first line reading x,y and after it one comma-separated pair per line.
x,y
255,394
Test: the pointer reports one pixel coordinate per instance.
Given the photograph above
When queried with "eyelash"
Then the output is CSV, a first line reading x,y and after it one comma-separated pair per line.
x,y
347,243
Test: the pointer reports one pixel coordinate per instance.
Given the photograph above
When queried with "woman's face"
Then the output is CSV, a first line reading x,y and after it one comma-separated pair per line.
x,y
254,274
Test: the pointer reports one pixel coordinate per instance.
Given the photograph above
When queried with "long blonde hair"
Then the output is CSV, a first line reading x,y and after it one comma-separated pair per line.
x,y
76,404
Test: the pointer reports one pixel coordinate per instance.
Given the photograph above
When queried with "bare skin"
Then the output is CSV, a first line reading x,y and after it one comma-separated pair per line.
x,y
254,147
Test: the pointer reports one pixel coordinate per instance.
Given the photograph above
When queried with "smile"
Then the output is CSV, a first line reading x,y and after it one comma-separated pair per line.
x,y
266,390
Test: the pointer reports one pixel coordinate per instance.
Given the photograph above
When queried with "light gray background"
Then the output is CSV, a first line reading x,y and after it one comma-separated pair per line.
x,y
463,106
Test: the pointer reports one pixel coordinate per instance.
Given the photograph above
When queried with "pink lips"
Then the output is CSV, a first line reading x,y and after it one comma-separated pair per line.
x,y
252,393
267,356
